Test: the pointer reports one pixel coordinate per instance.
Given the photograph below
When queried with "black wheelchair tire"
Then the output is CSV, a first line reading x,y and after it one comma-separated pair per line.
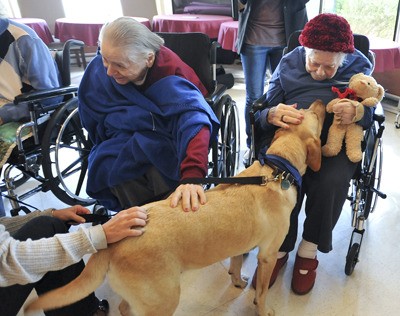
x,y
73,138
374,181
225,151
352,258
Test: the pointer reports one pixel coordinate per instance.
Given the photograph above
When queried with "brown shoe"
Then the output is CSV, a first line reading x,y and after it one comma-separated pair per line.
x,y
303,283
278,266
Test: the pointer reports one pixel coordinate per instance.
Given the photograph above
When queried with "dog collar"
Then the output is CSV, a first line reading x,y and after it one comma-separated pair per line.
x,y
283,170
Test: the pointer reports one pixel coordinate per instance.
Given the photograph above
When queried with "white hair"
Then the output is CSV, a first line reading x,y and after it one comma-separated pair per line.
x,y
340,56
131,36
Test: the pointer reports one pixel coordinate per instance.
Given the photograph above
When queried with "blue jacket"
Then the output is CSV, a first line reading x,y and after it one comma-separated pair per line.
x,y
132,131
25,64
291,83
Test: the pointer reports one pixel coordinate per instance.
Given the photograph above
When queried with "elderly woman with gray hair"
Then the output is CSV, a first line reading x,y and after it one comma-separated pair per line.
x,y
146,115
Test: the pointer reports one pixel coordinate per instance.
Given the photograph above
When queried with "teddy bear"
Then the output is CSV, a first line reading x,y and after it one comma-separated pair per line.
x,y
363,91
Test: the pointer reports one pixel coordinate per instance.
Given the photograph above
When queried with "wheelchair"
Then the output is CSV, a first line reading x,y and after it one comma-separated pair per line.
x,y
55,155
365,183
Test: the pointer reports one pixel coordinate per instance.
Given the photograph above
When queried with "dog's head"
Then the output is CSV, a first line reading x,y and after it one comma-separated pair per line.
x,y
301,144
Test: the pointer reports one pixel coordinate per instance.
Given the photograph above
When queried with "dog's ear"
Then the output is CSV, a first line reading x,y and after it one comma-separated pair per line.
x,y
314,155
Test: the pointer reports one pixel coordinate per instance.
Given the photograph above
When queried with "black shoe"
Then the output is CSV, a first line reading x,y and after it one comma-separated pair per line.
x,y
99,209
103,308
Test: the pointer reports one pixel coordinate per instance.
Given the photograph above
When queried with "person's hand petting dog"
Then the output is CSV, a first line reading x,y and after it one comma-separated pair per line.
x,y
127,223
192,196
282,115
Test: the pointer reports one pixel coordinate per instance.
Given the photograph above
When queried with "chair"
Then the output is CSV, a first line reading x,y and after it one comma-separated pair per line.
x,y
58,164
77,50
365,184
196,50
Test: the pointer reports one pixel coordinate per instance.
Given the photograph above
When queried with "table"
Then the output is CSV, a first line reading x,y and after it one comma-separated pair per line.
x,y
86,30
197,7
387,64
208,24
228,34
39,26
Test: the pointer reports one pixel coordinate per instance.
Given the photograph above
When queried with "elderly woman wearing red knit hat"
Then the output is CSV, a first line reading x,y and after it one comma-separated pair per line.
x,y
326,58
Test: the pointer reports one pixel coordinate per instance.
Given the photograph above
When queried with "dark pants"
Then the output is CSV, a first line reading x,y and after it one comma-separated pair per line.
x,y
148,188
325,191
13,297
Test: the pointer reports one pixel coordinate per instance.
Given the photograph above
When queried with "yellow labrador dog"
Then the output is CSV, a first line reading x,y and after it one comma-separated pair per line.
x,y
145,271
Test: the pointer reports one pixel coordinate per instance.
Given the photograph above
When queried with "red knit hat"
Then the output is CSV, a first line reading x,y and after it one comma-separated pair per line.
x,y
328,32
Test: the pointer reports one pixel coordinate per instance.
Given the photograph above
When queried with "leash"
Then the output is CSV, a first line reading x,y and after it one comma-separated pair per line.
x,y
283,171
260,180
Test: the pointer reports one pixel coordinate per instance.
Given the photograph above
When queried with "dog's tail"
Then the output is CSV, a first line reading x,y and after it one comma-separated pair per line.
x,y
89,280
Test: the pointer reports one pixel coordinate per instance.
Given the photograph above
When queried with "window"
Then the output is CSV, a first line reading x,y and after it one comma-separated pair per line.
x,y
371,18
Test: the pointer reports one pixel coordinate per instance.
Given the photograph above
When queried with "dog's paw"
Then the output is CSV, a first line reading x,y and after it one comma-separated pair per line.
x,y
240,282
268,311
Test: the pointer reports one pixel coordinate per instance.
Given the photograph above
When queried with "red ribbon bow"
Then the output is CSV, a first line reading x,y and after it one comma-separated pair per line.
x,y
347,93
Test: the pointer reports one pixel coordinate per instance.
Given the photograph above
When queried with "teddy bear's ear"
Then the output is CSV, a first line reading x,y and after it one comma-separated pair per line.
x,y
381,93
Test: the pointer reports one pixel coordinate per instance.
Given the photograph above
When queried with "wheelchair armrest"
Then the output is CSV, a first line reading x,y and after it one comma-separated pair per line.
x,y
44,94
379,114
216,95
260,104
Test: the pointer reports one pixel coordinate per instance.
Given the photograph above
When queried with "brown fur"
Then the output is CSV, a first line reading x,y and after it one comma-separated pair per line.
x,y
145,271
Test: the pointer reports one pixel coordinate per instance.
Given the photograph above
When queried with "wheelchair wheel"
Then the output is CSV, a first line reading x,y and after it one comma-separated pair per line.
x,y
372,167
19,179
225,154
65,150
352,258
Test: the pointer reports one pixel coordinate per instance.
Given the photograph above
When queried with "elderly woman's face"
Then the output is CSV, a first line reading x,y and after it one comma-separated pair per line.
x,y
121,68
322,65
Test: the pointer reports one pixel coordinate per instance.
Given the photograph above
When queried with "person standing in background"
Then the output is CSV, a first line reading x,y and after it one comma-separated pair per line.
x,y
264,28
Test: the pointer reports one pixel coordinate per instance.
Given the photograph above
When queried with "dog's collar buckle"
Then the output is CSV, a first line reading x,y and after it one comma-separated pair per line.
x,y
285,178
265,180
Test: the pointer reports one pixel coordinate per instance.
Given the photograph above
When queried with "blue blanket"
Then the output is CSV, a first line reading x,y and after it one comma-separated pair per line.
x,y
133,130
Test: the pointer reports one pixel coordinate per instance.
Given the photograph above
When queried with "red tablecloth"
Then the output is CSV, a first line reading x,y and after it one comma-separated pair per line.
x,y
86,30
387,54
208,24
387,64
39,26
227,35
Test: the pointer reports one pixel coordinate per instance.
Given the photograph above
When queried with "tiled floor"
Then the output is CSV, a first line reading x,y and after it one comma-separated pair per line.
x,y
373,288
